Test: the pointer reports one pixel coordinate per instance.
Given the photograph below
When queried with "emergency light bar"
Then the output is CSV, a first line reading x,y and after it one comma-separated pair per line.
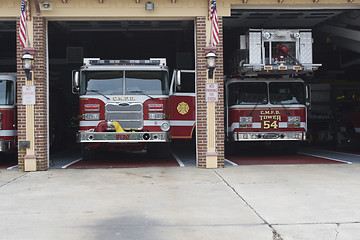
x,y
283,68
97,61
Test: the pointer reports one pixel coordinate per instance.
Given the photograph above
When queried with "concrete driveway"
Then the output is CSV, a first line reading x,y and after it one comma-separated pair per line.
x,y
244,202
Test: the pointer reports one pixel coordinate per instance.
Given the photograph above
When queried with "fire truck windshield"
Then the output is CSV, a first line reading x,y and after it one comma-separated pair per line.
x,y
6,92
287,93
147,82
124,82
247,93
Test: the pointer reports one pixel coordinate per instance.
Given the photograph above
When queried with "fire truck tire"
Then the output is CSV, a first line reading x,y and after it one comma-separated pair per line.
x,y
87,153
165,150
160,150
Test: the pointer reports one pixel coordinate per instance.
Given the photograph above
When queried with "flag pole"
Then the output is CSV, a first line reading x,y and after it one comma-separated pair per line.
x,y
27,35
211,19
211,32
26,28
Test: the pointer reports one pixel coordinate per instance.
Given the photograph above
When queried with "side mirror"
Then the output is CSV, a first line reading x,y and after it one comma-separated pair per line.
x,y
308,96
178,80
75,82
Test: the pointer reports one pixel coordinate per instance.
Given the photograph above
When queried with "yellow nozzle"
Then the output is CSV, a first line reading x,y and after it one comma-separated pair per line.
x,y
117,126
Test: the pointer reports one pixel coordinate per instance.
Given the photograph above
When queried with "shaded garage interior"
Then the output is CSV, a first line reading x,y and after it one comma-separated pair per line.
x,y
7,46
71,41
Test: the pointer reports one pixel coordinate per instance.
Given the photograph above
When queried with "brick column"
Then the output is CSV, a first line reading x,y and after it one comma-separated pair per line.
x,y
201,120
40,108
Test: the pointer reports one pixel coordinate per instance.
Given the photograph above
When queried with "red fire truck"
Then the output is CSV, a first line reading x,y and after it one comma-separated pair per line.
x,y
131,104
8,130
267,100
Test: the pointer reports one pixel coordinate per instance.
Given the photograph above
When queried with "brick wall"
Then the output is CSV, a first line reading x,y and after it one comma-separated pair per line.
x,y
40,82
201,43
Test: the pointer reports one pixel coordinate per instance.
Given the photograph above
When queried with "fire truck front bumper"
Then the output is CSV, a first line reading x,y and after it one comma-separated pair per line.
x,y
269,136
123,137
5,145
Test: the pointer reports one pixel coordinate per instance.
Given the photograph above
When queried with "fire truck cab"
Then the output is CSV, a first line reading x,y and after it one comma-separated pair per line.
x,y
266,100
126,104
266,109
8,130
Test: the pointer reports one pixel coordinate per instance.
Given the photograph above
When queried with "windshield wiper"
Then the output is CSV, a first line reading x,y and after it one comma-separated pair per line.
x,y
142,92
287,112
257,103
252,111
97,91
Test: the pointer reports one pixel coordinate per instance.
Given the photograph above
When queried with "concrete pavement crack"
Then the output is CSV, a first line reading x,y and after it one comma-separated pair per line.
x,y
276,235
313,223
336,230
12,180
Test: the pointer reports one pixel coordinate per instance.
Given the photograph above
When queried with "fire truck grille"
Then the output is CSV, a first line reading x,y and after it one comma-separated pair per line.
x,y
129,116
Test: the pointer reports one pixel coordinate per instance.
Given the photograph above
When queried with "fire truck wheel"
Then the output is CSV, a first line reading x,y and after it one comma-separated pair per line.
x,y
165,150
160,150
87,153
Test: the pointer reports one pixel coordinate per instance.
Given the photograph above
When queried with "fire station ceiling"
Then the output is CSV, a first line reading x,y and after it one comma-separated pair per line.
x,y
100,26
7,26
256,18
334,30
129,39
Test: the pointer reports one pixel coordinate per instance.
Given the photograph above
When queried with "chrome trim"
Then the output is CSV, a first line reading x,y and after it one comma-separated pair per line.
x,y
8,133
123,137
129,116
269,136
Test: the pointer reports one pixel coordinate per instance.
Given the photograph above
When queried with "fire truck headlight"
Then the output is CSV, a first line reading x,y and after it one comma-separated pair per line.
x,y
91,116
156,115
165,126
245,119
294,119
298,136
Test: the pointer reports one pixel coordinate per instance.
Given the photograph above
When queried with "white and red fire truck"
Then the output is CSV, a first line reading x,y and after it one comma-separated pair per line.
x,y
131,104
8,130
267,100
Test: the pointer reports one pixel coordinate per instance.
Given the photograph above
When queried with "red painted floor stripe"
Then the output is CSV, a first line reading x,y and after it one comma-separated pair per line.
x,y
124,160
279,159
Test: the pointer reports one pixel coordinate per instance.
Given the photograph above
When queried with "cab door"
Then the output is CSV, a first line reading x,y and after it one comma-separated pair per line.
x,y
182,104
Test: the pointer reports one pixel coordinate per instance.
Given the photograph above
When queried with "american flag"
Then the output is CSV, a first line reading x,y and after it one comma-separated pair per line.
x,y
214,23
22,28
